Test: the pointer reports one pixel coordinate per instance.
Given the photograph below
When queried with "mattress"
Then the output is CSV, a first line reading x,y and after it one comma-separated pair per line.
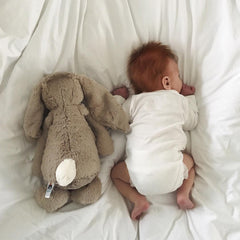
x,y
95,38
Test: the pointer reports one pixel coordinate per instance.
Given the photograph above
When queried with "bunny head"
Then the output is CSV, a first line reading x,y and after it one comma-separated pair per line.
x,y
61,90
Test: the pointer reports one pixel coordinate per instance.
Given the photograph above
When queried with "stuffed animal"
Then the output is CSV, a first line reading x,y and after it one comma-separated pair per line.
x,y
68,114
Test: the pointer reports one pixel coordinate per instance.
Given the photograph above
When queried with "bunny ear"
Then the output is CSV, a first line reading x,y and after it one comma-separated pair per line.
x,y
102,105
34,114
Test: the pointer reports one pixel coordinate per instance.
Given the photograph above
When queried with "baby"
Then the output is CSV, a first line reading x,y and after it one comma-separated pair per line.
x,y
159,114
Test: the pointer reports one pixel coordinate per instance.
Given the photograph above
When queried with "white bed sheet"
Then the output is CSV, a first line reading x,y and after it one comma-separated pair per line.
x,y
95,38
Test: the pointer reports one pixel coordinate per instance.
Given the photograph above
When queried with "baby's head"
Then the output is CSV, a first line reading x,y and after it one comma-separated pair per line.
x,y
153,66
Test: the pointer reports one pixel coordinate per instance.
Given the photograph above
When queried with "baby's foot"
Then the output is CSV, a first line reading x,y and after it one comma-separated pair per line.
x,y
140,206
184,202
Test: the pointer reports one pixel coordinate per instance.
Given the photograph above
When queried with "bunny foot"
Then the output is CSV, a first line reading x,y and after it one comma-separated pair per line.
x,y
58,199
88,194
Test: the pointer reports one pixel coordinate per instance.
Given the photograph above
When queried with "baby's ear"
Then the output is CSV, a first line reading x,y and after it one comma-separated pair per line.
x,y
166,82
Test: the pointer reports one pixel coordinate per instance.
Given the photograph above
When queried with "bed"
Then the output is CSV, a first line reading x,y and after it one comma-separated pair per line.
x,y
94,38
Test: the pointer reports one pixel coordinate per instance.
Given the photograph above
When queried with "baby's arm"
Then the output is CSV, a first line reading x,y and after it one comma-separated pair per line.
x,y
191,113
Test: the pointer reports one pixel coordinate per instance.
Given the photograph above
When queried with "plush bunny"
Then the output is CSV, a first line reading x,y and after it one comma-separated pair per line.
x,y
71,137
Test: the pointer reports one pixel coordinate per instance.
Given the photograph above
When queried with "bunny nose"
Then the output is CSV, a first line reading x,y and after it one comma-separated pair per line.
x,y
66,172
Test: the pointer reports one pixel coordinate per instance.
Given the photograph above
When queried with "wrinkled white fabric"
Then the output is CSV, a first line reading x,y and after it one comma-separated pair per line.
x,y
155,143
95,38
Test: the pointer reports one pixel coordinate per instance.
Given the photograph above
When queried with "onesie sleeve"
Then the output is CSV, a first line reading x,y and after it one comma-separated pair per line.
x,y
190,113
125,103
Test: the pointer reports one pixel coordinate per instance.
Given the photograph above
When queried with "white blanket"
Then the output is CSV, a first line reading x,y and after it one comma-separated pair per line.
x,y
95,38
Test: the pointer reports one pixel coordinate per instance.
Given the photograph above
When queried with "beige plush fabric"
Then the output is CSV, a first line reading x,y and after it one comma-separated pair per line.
x,y
79,109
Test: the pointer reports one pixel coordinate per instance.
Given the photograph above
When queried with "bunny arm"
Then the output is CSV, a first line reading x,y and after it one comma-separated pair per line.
x,y
104,142
102,105
37,160
83,110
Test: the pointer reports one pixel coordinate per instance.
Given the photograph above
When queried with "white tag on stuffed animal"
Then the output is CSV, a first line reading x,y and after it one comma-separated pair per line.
x,y
50,187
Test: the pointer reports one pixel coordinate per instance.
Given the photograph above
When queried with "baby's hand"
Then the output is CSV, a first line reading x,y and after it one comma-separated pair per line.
x,y
122,91
187,90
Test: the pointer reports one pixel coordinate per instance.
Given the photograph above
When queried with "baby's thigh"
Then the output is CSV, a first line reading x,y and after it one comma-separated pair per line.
x,y
120,171
188,161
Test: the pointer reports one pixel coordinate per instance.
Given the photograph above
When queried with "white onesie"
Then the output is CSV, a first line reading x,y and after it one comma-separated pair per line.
x,y
155,143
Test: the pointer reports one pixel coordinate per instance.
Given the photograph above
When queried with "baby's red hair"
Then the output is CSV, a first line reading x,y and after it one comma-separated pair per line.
x,y
147,63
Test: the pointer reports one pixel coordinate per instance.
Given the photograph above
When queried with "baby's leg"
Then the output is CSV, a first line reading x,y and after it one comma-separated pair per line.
x,y
183,193
121,179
